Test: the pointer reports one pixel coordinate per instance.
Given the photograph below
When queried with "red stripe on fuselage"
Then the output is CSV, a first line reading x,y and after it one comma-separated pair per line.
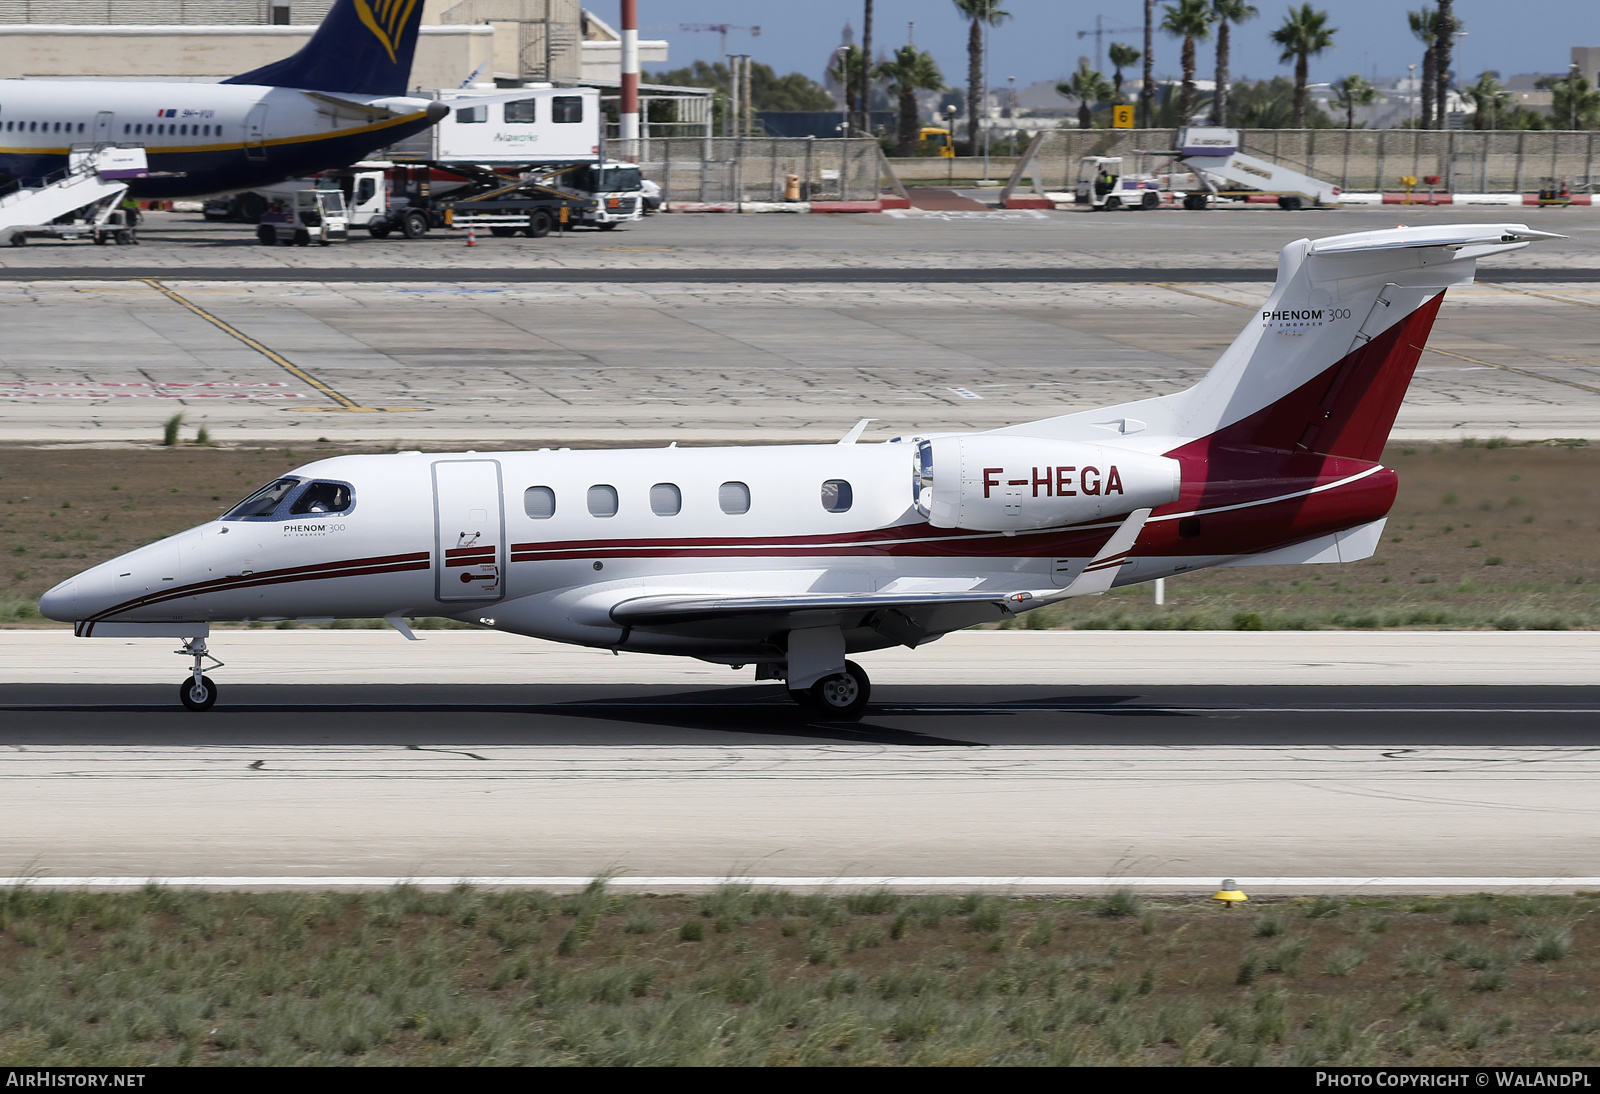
x,y
360,567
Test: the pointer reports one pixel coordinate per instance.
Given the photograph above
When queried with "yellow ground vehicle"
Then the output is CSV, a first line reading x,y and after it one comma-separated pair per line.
x,y
935,138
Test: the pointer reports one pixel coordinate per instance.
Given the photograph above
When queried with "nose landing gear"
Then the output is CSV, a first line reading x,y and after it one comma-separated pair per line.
x,y
197,692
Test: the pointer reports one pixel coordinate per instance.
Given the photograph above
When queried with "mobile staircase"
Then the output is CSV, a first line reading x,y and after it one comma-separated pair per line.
x,y
1215,154
81,199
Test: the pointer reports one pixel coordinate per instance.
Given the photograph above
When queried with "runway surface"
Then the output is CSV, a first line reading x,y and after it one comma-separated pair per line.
x,y
1091,275
1069,783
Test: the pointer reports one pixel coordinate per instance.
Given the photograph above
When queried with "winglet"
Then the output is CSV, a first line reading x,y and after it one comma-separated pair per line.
x,y
856,430
1102,569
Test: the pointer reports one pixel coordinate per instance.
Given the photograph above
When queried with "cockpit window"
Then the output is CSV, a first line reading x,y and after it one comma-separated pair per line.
x,y
322,497
263,503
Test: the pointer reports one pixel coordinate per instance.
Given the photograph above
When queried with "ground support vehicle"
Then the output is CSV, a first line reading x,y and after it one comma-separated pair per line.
x,y
306,215
1102,185
616,190
1214,154
82,200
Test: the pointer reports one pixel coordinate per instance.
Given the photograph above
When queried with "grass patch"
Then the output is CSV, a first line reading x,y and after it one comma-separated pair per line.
x,y
404,976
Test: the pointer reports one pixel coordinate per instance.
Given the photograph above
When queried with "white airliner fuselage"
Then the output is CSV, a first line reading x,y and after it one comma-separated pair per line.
x,y
199,138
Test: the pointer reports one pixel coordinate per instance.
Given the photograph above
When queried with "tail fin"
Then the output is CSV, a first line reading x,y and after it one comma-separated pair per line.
x,y
363,47
1324,365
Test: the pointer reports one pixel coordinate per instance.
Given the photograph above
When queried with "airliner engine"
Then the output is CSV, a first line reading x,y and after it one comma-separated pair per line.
x,y
987,483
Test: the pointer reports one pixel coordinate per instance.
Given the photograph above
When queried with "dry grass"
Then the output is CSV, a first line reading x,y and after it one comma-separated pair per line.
x,y
1480,537
765,977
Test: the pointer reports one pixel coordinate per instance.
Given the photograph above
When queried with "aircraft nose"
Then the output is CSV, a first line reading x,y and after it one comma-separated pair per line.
x,y
61,602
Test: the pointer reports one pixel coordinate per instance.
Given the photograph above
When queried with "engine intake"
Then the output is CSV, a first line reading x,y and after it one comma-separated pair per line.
x,y
1004,484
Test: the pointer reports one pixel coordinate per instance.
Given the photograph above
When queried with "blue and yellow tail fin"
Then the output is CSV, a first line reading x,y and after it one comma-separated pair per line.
x,y
363,47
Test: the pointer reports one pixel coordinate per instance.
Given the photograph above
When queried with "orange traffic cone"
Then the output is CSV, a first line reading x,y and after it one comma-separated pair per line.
x,y
472,237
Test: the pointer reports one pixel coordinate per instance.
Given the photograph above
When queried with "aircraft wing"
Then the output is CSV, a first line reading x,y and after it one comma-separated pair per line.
x,y
906,618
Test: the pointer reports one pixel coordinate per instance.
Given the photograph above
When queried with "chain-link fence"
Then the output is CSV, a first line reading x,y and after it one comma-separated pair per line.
x,y
1356,160
757,168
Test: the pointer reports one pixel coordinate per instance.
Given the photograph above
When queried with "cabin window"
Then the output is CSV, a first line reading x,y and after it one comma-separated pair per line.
x,y
602,501
734,497
264,502
566,108
323,497
665,499
539,502
473,115
33,127
521,112
836,496
80,127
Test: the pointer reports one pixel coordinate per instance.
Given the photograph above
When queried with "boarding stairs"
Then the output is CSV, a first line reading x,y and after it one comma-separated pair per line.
x,y
1216,154
84,195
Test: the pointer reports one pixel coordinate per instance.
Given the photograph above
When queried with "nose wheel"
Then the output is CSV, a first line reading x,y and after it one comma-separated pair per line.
x,y
197,692
841,697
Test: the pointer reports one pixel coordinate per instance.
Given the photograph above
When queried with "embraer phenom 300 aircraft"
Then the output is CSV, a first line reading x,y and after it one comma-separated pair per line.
x,y
791,557
341,96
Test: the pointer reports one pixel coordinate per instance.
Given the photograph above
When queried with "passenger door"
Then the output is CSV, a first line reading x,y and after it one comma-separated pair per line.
x,y
255,133
102,127
469,531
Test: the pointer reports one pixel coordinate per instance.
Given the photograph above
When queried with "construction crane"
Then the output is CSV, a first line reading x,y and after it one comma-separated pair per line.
x,y
719,28
1099,32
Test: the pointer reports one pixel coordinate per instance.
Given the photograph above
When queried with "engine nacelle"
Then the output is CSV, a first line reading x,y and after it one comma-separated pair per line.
x,y
991,483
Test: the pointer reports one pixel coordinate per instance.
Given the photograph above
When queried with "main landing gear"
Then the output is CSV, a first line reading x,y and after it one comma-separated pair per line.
x,y
841,697
197,692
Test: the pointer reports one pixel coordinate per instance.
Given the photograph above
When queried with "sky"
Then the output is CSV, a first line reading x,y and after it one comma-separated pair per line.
x,y
1040,41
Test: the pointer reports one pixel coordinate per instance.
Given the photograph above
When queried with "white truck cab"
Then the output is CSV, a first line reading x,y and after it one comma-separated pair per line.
x,y
617,190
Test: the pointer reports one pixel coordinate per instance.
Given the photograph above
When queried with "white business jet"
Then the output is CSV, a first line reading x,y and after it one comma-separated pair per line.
x,y
791,557
340,97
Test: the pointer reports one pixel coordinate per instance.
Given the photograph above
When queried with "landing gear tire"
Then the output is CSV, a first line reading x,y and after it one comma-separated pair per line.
x,y
840,698
1112,204
198,696
1194,202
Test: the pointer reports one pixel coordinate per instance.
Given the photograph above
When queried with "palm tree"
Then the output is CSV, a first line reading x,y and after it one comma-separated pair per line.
x,y
1226,12
866,69
1574,103
1351,92
1121,57
979,13
1304,34
1487,97
909,72
1191,21
1449,27
1088,87
1425,26
1147,89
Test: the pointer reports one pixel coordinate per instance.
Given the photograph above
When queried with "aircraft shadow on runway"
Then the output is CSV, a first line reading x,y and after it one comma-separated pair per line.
x,y
939,716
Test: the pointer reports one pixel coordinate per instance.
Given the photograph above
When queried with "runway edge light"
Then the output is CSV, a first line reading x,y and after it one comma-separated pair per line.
x,y
1230,894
